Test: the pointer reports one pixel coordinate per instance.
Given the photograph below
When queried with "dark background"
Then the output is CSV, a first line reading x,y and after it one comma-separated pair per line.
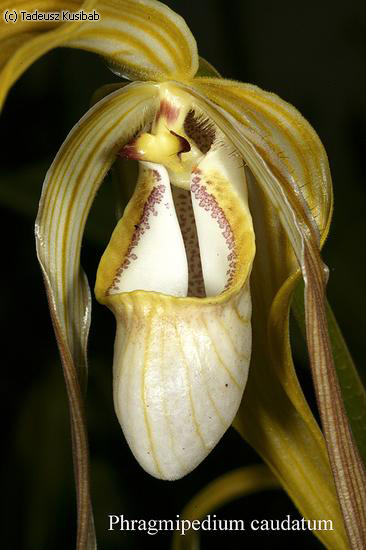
x,y
311,54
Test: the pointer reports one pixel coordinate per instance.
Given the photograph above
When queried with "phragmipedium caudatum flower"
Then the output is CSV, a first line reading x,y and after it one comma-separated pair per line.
x,y
233,201
176,275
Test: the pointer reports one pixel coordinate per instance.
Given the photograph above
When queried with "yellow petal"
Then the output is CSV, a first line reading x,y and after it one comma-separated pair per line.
x,y
142,40
287,159
285,432
67,194
24,42
283,152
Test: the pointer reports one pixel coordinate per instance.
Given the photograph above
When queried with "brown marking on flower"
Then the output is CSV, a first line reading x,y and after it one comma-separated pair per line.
x,y
130,151
208,202
184,210
200,131
154,198
184,143
168,111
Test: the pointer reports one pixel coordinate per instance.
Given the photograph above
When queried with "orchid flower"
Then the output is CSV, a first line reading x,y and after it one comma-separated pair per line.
x,y
232,204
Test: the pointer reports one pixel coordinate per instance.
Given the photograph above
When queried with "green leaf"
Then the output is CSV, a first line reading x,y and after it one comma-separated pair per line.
x,y
353,391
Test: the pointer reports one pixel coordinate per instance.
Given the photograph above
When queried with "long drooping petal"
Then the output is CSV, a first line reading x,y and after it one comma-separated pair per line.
x,y
143,40
286,433
269,436
288,161
67,194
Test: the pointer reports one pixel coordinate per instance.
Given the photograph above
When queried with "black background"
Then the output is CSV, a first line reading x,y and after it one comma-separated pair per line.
x,y
310,53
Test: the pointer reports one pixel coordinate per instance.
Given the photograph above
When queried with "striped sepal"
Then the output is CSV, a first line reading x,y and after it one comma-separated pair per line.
x,y
67,194
290,165
24,42
284,139
141,39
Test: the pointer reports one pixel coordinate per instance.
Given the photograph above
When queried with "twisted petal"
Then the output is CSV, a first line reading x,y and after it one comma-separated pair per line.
x,y
67,194
275,149
142,40
283,153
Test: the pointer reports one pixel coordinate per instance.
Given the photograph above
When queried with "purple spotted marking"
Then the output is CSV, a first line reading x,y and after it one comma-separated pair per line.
x,y
156,196
209,203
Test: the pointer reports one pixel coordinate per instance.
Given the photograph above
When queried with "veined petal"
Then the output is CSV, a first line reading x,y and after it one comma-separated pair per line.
x,y
180,368
141,39
281,131
24,42
290,442
281,149
289,144
67,194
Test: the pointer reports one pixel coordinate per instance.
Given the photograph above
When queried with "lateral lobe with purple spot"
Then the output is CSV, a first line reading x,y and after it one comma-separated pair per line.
x,y
208,202
154,198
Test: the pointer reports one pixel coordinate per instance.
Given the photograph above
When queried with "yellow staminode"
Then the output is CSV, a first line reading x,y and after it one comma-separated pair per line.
x,y
162,148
